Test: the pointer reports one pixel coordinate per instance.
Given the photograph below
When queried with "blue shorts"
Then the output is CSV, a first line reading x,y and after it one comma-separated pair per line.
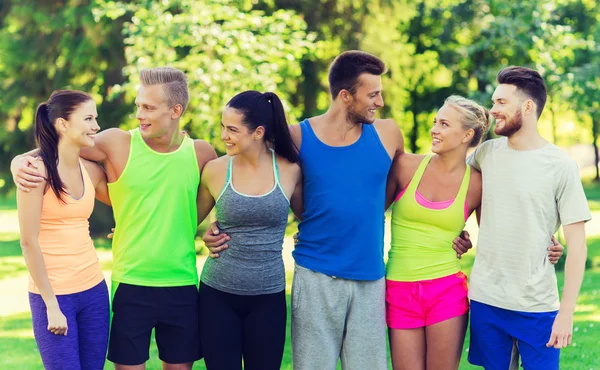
x,y
494,330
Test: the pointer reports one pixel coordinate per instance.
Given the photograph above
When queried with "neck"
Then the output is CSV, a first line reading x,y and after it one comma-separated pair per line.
x,y
254,157
527,138
168,142
68,154
452,161
336,118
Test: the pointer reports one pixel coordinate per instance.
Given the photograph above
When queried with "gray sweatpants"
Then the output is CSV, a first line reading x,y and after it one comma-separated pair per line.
x,y
337,318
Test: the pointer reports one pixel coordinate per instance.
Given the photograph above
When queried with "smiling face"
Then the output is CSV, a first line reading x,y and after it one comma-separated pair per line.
x,y
238,138
153,112
508,103
447,132
81,126
366,100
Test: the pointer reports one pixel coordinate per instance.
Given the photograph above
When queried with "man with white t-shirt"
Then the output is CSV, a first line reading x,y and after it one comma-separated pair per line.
x,y
530,188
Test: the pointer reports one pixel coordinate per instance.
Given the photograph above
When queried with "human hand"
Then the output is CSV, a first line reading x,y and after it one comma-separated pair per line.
x,y
555,251
562,331
26,175
57,322
214,240
462,243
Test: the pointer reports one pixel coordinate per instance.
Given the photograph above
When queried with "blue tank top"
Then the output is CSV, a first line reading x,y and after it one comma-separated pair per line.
x,y
342,230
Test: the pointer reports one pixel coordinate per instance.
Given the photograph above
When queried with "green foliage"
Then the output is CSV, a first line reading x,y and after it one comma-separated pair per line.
x,y
47,46
223,50
432,48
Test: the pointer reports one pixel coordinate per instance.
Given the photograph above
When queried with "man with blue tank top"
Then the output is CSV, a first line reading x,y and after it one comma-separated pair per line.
x,y
338,293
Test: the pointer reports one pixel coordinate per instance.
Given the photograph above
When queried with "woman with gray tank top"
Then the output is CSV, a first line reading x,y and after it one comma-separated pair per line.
x,y
242,293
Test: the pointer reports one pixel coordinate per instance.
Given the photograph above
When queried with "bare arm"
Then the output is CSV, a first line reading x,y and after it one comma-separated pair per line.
x,y
297,201
98,177
562,330
392,186
102,144
205,201
24,169
29,206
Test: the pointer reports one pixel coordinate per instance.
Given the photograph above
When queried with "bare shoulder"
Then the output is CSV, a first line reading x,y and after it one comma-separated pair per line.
x,y
475,180
296,133
410,160
390,136
388,127
386,124
94,170
204,152
215,165
110,143
112,134
286,166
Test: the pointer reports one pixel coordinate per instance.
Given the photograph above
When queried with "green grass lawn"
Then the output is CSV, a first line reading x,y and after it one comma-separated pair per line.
x,y
19,350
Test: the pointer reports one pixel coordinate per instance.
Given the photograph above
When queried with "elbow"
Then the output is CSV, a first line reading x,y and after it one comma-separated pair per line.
x,y
27,244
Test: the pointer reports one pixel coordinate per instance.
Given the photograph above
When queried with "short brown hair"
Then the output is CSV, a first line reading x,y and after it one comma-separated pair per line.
x,y
528,81
348,66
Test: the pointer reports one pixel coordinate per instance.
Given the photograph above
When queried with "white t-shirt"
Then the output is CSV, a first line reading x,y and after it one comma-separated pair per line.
x,y
527,195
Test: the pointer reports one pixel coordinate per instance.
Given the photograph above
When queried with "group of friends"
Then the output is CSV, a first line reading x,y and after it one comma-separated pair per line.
x,y
338,172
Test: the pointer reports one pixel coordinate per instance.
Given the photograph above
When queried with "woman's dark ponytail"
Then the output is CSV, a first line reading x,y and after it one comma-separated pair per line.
x,y
281,137
266,110
60,105
46,138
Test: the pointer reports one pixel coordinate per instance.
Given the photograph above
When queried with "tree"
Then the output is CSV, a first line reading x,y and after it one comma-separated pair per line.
x,y
223,50
48,46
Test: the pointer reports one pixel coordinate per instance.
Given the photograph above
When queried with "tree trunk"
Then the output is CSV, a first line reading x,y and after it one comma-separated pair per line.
x,y
414,132
310,87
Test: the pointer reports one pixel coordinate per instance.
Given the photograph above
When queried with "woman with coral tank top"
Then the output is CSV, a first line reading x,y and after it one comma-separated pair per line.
x,y
67,292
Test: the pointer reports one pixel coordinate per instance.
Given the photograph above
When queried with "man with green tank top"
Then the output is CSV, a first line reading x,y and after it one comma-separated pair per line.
x,y
154,175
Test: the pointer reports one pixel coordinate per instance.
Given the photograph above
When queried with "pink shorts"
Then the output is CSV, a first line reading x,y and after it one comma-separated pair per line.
x,y
422,303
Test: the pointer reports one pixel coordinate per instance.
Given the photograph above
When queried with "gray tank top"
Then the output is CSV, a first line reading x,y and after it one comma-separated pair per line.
x,y
252,264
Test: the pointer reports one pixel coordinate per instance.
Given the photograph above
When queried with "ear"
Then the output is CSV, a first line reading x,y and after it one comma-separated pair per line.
x,y
468,136
259,133
61,125
345,96
529,107
177,111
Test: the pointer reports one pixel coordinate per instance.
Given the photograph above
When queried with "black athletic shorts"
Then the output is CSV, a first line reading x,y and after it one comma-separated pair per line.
x,y
171,311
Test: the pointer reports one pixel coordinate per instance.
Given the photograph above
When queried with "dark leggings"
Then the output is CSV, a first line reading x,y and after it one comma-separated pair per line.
x,y
232,326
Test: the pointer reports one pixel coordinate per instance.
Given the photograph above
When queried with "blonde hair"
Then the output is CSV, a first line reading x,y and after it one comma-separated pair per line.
x,y
476,117
174,81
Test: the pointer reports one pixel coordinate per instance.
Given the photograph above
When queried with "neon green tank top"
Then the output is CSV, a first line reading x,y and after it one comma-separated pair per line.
x,y
422,237
154,205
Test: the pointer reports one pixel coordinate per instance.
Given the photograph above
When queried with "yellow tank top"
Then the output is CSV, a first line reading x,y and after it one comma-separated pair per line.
x,y
422,237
